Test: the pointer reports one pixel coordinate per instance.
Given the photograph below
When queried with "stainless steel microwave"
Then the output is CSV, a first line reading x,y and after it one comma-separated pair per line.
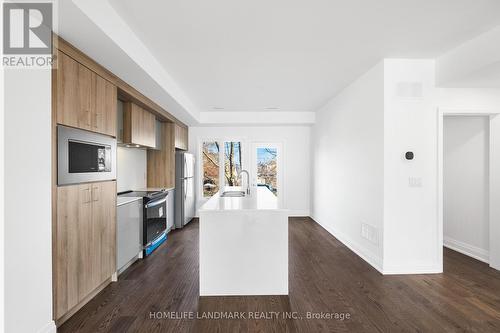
x,y
84,156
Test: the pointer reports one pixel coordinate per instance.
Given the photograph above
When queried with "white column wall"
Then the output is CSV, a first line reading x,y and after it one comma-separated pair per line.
x,y
28,236
410,187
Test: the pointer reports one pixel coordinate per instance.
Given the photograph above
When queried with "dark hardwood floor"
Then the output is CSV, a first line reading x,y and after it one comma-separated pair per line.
x,y
325,276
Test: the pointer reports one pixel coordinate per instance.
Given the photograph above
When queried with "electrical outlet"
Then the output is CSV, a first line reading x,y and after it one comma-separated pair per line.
x,y
369,232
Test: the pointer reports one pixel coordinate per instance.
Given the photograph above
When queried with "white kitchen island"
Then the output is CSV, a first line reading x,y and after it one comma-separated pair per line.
x,y
243,245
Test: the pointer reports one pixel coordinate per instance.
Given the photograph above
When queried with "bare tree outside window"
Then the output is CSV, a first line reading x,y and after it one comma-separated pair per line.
x,y
232,163
210,168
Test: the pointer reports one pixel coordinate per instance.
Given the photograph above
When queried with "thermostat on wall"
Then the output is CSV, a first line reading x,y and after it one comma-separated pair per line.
x,y
409,155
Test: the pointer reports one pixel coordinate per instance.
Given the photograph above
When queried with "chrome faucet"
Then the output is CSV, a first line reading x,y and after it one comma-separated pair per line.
x,y
248,180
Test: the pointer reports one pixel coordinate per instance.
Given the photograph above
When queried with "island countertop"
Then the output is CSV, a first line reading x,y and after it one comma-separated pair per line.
x,y
260,198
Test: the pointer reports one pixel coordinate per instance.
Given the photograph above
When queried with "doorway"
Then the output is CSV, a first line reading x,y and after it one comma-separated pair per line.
x,y
267,168
469,184
466,185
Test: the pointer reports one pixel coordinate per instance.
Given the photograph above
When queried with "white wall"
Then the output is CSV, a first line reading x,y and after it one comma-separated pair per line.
x,y
2,203
410,124
360,175
28,255
257,118
348,165
296,162
465,185
131,166
494,176
468,99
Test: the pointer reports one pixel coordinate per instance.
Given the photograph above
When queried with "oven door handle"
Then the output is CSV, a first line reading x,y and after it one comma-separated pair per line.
x,y
155,203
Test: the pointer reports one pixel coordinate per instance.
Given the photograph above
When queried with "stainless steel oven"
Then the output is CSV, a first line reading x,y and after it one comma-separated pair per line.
x,y
155,217
84,156
154,228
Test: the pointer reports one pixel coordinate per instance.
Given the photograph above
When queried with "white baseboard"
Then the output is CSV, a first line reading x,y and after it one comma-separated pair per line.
x,y
412,269
359,250
377,262
50,327
469,250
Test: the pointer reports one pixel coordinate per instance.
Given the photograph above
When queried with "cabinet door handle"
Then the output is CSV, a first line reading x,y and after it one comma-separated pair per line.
x,y
95,193
95,123
89,116
86,196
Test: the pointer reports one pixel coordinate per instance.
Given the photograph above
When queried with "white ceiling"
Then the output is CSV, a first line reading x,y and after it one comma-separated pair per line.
x,y
293,54
473,64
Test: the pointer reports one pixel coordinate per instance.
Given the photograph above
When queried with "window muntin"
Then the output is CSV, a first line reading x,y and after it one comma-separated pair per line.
x,y
232,163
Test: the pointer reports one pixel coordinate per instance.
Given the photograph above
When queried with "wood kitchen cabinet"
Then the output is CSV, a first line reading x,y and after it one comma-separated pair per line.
x,y
84,99
106,100
85,96
181,137
139,126
85,242
74,90
161,163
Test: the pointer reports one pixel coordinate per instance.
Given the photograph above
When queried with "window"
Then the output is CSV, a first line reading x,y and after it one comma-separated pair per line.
x,y
267,168
232,163
222,162
210,154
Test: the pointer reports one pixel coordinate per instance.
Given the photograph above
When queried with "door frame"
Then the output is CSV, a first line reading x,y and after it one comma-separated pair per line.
x,y
493,179
280,147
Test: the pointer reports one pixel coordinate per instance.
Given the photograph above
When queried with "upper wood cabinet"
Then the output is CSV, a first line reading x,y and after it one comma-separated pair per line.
x,y
105,106
161,163
84,241
139,126
181,137
84,99
74,90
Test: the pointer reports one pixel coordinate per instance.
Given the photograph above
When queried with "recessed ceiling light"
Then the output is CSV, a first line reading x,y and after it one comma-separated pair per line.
x,y
137,146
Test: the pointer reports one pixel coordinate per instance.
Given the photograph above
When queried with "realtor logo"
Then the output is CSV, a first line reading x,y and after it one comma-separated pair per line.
x,y
27,28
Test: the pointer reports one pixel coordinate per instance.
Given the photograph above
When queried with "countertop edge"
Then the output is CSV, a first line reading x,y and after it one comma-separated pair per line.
x,y
129,200
168,189
208,206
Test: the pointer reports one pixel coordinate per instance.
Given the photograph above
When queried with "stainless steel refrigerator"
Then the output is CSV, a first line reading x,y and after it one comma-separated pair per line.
x,y
184,188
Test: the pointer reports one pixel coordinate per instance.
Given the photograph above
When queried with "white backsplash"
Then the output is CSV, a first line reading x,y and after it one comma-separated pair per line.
x,y
131,168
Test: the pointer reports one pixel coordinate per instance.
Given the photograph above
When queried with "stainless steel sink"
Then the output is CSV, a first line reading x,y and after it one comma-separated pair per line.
x,y
233,194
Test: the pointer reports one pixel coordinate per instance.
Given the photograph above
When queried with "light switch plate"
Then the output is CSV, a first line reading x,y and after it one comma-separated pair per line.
x,y
414,182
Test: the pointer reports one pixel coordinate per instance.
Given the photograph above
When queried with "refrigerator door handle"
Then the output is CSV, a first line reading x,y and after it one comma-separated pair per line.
x,y
185,166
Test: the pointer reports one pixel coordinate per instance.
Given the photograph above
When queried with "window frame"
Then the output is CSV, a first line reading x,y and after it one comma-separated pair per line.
x,y
280,147
201,173
221,140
